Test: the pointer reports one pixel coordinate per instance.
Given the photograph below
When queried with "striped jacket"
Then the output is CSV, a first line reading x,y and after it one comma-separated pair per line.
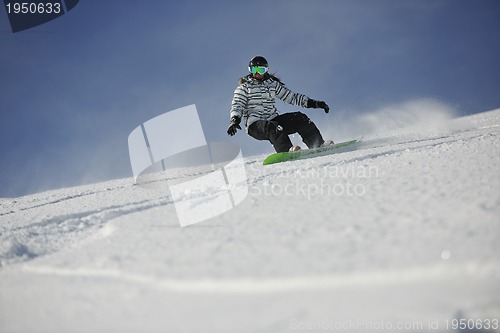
x,y
255,100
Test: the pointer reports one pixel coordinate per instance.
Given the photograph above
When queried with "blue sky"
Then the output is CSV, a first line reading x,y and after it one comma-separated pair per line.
x,y
73,89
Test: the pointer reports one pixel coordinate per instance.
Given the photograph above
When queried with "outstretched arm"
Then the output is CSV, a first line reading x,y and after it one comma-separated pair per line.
x,y
290,97
239,103
238,107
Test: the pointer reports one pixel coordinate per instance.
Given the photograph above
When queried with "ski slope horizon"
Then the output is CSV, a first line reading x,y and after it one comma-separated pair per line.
x,y
400,234
425,114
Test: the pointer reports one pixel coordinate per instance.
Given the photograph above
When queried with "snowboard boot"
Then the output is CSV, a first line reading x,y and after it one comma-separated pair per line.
x,y
327,143
295,148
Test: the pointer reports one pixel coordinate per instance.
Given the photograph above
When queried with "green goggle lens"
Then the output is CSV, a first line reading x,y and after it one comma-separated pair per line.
x,y
258,69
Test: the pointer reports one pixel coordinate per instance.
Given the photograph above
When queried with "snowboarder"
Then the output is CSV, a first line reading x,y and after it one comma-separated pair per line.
x,y
254,99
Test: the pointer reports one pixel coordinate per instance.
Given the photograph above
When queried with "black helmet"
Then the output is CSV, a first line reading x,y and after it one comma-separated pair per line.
x,y
258,61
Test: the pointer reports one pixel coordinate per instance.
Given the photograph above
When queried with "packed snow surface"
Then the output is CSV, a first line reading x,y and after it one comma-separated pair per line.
x,y
400,234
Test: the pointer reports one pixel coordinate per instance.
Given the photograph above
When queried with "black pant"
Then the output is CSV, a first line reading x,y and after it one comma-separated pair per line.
x,y
278,129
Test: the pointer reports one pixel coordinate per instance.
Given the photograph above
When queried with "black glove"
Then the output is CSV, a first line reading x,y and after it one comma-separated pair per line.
x,y
233,125
313,104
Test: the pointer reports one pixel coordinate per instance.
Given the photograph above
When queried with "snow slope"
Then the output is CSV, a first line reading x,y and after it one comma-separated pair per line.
x,y
400,234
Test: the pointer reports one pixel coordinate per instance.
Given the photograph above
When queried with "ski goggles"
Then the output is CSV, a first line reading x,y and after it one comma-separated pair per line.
x,y
257,69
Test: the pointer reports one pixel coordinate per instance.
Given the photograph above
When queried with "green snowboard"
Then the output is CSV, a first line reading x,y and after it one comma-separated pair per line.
x,y
307,153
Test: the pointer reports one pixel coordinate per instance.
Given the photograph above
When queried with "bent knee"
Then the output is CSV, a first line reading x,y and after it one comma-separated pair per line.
x,y
302,117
